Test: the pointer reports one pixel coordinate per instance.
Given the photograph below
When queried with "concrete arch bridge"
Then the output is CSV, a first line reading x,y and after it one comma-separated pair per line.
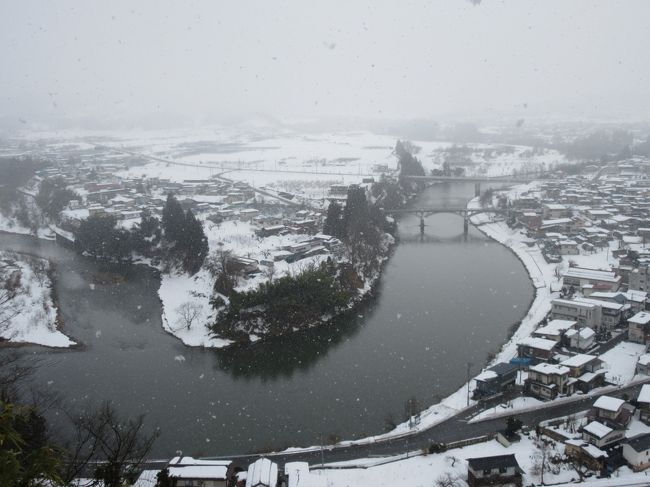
x,y
465,213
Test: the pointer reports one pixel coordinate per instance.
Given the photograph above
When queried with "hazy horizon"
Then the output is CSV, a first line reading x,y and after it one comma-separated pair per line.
x,y
151,64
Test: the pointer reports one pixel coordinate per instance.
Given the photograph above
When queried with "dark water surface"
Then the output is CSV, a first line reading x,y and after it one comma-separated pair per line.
x,y
442,301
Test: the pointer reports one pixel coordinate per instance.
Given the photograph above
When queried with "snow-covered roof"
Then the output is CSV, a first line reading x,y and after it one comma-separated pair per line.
x,y
644,394
191,468
597,429
636,296
263,472
540,343
593,274
578,360
547,369
486,375
592,450
555,327
602,304
557,221
609,403
644,359
641,318
569,302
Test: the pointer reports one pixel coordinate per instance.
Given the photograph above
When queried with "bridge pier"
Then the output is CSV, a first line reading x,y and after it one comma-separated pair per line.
x,y
422,225
477,189
465,225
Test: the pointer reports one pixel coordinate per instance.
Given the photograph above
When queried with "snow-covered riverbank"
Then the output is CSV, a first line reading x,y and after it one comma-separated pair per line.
x,y
28,313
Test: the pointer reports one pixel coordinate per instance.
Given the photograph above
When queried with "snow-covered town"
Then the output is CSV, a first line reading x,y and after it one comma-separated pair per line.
x,y
324,244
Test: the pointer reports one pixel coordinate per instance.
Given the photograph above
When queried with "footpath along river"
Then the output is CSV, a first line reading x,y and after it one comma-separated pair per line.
x,y
442,301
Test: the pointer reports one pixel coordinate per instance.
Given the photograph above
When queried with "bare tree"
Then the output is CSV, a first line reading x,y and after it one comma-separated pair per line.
x,y
270,273
188,313
10,285
577,465
449,480
543,458
115,445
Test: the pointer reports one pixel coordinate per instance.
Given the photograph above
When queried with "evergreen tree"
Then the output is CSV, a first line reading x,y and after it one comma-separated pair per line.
x,y
53,196
173,220
333,224
25,458
147,234
98,238
355,214
194,244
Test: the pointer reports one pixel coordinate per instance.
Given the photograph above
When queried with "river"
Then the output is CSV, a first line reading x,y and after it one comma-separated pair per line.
x,y
442,301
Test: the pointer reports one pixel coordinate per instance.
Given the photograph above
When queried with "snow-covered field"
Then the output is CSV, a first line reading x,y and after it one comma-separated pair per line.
x,y
28,314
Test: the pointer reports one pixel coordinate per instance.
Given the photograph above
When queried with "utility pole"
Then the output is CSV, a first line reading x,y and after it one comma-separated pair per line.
x,y
469,365
322,453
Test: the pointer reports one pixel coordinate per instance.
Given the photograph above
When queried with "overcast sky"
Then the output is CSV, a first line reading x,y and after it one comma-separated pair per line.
x,y
219,60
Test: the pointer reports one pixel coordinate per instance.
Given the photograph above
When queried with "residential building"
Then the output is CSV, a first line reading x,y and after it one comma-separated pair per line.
x,y
599,280
639,327
547,381
501,470
640,277
643,401
601,435
496,379
190,472
611,411
537,349
584,313
643,364
554,329
581,339
587,454
585,371
613,314
636,452
553,211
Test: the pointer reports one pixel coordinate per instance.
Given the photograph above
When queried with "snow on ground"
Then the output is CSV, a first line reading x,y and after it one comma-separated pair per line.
x,y
30,317
186,299
621,361
423,471
509,407
186,308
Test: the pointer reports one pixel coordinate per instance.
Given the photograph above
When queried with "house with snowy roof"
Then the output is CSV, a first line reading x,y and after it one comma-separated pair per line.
x,y
636,452
585,313
494,470
586,371
602,435
639,327
643,364
547,381
643,401
190,472
554,329
613,313
612,411
600,280
580,339
586,454
495,379
537,349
